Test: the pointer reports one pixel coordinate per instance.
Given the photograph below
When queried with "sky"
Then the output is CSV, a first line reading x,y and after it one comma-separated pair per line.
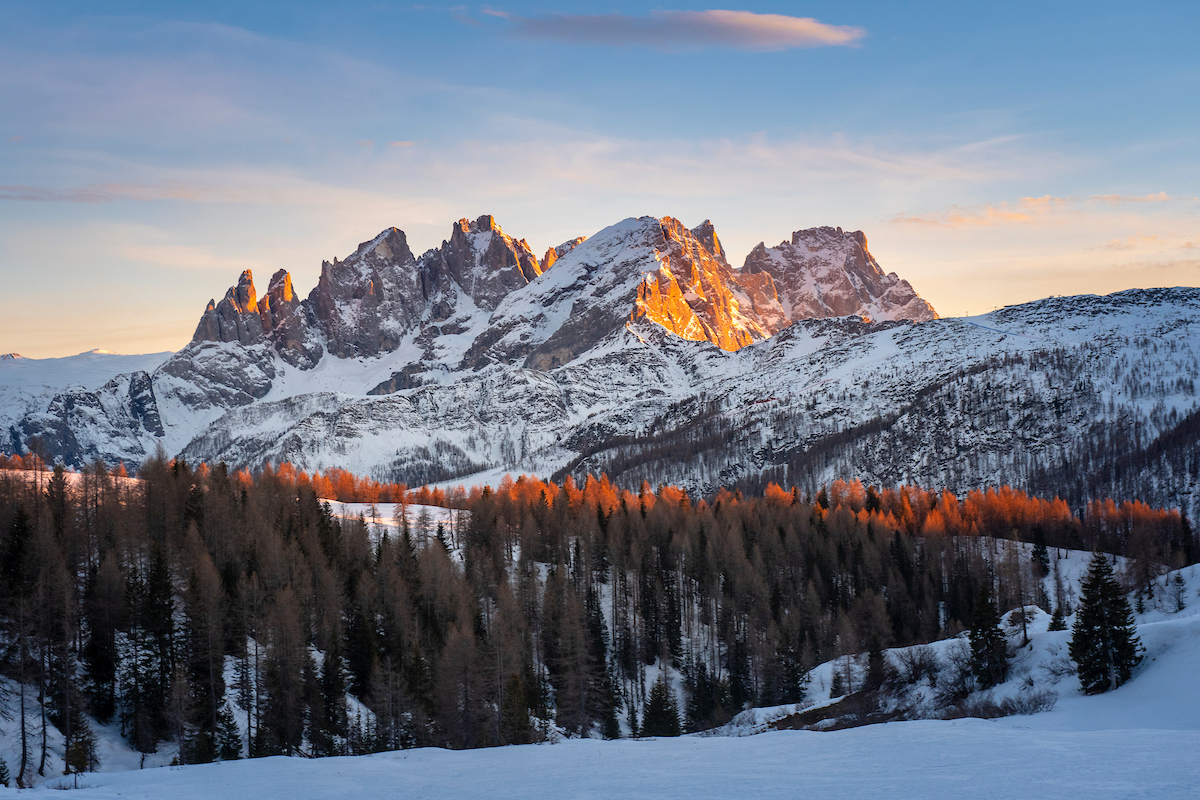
x,y
992,153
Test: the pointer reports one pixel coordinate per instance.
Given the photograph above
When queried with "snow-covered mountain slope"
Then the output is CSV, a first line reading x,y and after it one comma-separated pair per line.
x,y
29,384
640,352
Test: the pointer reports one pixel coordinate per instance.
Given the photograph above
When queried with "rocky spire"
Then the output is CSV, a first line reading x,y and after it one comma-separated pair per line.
x,y
707,235
235,318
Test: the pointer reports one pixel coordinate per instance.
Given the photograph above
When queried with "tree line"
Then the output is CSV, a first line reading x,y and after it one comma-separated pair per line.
x,y
232,614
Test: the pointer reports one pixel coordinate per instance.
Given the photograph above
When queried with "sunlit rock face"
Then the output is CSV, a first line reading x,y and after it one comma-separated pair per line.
x,y
695,294
235,318
828,272
478,316
555,253
286,322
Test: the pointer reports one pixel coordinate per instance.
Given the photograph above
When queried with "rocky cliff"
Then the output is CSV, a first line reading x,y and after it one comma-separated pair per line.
x,y
828,272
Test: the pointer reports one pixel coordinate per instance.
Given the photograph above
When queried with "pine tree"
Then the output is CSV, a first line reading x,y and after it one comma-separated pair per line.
x,y
1104,643
4,777
1041,555
989,648
104,614
229,737
1057,621
662,712
81,751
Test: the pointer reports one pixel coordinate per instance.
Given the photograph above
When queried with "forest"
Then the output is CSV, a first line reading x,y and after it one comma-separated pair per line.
x,y
231,614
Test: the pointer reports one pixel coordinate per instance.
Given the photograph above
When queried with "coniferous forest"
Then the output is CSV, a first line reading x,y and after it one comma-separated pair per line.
x,y
232,614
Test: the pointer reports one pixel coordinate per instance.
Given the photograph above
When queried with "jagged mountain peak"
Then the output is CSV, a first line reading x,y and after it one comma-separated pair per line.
x,y
235,318
707,234
827,235
390,245
553,254
828,272
243,296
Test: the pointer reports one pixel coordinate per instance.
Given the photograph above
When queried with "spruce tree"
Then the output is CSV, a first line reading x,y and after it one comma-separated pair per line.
x,y
662,712
1057,621
1041,554
989,648
1104,643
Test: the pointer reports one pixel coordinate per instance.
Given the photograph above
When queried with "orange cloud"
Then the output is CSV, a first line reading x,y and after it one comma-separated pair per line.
x,y
1135,242
401,144
1120,199
739,30
1024,210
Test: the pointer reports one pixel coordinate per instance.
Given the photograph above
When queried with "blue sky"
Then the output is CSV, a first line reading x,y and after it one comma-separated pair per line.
x,y
993,154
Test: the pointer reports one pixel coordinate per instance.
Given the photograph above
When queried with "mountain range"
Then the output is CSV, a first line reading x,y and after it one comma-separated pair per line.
x,y
641,351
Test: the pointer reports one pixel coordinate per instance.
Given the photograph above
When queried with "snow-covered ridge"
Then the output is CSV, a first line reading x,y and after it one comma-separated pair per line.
x,y
638,351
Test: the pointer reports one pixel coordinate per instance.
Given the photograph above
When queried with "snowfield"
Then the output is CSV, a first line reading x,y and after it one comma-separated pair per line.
x,y
925,759
1139,741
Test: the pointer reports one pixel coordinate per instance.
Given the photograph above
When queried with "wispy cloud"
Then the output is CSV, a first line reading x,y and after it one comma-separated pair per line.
x,y
105,193
1027,209
1031,209
1136,241
666,30
1122,199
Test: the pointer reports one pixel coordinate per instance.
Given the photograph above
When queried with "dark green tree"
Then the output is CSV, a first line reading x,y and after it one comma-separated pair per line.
x,y
1104,642
662,712
989,648
1057,621
1041,555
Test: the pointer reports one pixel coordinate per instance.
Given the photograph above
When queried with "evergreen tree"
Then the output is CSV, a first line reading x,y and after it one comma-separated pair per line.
x,y
81,751
989,648
1057,621
229,737
104,615
662,712
514,716
708,700
4,777
1041,555
1104,643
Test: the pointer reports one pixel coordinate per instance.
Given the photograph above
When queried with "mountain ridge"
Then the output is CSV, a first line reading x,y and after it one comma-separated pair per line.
x,y
641,352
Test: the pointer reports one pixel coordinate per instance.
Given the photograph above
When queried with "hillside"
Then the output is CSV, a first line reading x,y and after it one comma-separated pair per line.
x,y
1137,741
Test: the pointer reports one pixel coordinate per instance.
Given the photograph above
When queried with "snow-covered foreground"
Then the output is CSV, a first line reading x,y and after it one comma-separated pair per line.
x,y
1140,741
927,759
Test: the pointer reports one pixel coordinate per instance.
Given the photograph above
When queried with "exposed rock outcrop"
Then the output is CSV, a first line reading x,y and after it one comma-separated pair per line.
x,y
695,294
235,318
828,272
555,253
